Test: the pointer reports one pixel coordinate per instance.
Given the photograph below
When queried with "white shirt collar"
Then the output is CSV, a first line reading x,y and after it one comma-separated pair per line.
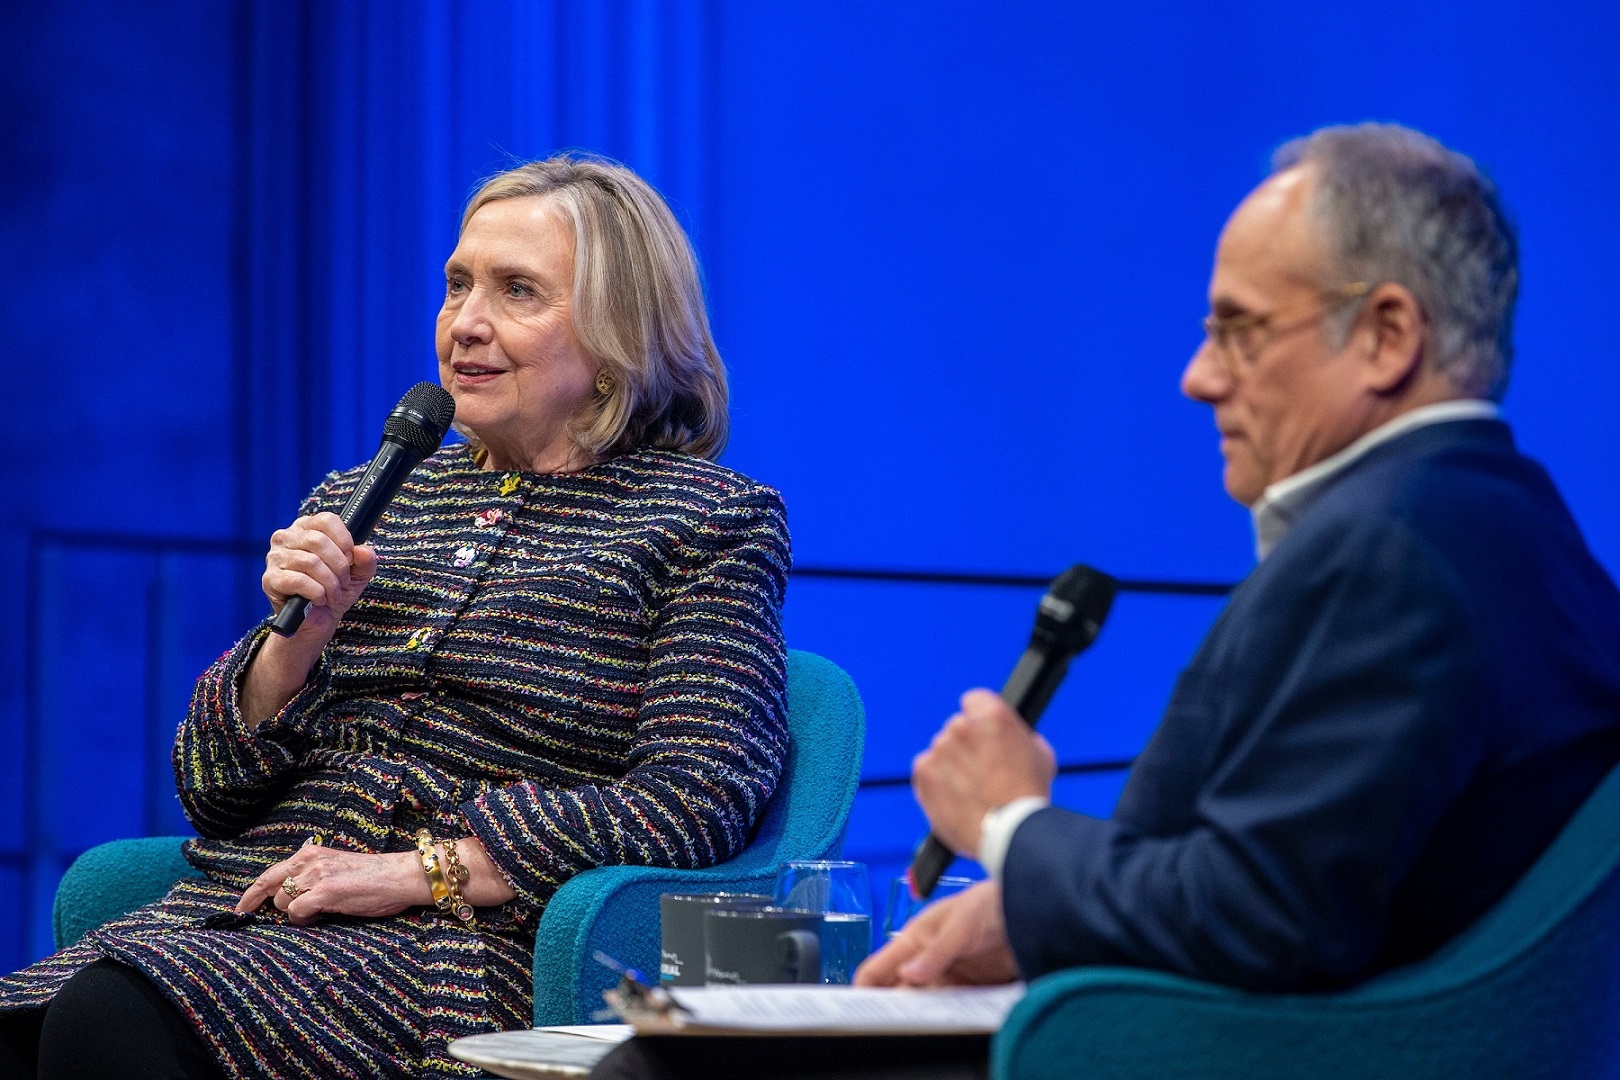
x,y
1276,510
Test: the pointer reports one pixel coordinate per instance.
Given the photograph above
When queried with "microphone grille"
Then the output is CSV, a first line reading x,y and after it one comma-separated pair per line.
x,y
421,418
1076,604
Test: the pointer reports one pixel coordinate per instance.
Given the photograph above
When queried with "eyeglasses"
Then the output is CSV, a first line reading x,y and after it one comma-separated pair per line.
x,y
1233,336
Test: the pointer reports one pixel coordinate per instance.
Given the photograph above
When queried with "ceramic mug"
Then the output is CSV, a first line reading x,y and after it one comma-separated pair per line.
x,y
745,946
680,917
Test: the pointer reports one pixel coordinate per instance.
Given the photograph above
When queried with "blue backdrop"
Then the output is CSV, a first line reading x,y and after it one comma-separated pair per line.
x,y
956,255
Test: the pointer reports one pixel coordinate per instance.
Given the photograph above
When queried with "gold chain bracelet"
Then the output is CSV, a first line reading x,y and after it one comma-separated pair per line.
x,y
457,877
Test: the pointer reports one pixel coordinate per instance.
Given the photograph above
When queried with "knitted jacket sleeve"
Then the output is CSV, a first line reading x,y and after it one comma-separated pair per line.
x,y
227,773
711,733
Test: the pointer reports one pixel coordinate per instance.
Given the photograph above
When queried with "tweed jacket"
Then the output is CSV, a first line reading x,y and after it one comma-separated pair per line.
x,y
578,669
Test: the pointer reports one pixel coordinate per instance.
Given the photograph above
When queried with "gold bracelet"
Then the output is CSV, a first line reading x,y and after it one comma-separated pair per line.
x,y
438,884
456,877
446,887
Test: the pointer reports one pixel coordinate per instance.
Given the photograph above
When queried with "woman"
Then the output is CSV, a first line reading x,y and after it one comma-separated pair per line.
x,y
562,649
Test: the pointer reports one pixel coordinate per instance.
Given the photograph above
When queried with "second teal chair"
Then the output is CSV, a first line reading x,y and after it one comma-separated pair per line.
x,y
613,909
1530,990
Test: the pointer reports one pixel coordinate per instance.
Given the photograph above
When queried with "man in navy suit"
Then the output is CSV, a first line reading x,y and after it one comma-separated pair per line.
x,y
1408,697
1396,711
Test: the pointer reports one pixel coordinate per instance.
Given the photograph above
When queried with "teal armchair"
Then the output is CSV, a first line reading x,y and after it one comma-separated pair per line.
x,y
613,909
1530,990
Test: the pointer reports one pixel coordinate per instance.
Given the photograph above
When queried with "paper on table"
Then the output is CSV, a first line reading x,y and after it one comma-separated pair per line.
x,y
834,1010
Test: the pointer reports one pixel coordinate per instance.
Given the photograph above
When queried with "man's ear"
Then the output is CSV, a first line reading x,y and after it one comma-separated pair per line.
x,y
1391,335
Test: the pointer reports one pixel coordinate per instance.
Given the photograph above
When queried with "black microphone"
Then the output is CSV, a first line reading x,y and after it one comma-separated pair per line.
x,y
1066,623
412,431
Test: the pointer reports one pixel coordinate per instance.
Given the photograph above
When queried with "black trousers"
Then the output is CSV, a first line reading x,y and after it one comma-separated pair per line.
x,y
107,1021
726,1057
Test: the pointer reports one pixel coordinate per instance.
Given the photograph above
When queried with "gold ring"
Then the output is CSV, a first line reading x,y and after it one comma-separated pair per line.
x,y
290,887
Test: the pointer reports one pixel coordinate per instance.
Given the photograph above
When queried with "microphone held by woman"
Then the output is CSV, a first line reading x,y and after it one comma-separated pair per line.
x,y
413,430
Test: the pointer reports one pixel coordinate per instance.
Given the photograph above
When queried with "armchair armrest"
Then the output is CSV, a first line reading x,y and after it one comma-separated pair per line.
x,y
1121,1023
1515,1020
113,879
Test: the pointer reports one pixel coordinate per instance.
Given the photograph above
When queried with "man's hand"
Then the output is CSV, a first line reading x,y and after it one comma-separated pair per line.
x,y
984,757
958,941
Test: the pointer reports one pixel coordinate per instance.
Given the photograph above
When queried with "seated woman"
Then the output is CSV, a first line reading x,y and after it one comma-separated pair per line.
x,y
561,650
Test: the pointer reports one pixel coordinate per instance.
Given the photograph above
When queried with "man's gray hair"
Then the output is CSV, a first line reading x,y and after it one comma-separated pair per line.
x,y
1395,205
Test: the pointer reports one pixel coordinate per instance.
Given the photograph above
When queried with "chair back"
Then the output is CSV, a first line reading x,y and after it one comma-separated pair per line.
x,y
1533,987
826,735
1575,881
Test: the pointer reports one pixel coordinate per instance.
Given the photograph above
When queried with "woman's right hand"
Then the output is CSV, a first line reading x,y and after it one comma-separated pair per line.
x,y
316,558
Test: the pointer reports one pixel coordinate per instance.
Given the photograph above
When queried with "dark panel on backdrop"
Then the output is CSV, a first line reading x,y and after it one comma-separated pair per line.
x,y
118,134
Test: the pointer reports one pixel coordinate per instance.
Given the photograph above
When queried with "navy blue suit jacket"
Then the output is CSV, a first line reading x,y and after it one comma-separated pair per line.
x,y
1389,721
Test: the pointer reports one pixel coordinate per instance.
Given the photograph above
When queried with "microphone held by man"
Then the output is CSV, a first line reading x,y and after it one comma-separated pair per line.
x,y
1067,621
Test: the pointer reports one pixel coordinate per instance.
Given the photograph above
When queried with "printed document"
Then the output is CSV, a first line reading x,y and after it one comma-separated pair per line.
x,y
830,1010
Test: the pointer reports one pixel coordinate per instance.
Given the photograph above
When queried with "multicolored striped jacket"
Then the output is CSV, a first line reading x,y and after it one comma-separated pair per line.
x,y
579,669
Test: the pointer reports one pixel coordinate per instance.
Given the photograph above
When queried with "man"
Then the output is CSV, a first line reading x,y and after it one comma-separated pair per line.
x,y
1397,710
1403,703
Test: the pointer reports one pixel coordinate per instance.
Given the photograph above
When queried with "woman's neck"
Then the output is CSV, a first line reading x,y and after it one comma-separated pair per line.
x,y
560,457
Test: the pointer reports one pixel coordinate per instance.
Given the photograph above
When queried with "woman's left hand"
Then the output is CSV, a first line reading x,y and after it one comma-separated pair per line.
x,y
333,881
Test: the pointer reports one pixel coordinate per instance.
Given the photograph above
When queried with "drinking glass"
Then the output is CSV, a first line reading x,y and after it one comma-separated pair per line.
x,y
903,906
840,894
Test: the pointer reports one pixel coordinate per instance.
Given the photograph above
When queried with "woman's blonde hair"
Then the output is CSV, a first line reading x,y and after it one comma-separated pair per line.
x,y
638,307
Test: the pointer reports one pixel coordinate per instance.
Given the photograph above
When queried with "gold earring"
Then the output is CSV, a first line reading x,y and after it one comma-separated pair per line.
x,y
604,382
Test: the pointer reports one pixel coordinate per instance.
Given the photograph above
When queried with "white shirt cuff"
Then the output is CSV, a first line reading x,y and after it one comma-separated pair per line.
x,y
996,831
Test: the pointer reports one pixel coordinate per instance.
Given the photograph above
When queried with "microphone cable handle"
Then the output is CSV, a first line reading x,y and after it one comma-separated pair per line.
x,y
290,617
1067,621
928,866
1028,690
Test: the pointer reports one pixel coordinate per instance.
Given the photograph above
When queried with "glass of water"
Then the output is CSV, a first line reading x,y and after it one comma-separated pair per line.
x,y
903,906
840,894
